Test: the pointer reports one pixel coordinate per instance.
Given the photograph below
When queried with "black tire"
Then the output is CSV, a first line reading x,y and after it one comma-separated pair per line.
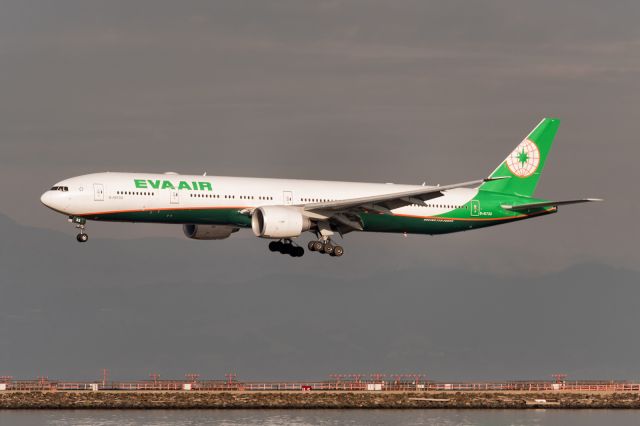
x,y
338,251
297,252
311,245
82,238
273,246
285,248
317,246
328,248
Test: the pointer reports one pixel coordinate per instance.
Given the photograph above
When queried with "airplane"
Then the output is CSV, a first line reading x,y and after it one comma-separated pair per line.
x,y
214,207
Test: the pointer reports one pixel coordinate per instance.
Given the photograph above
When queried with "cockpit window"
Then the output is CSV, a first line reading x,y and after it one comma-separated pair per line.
x,y
60,188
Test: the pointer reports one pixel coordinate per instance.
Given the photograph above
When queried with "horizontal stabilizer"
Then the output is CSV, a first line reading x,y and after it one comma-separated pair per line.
x,y
530,206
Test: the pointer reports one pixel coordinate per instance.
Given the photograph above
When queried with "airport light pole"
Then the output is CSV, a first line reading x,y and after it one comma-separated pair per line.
x,y
231,377
105,376
560,378
377,377
192,377
154,377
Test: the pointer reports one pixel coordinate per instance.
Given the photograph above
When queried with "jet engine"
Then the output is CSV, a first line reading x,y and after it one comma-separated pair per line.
x,y
208,232
278,222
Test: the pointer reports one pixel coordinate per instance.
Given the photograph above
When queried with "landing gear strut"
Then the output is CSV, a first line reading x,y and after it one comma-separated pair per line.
x,y
326,246
286,246
81,224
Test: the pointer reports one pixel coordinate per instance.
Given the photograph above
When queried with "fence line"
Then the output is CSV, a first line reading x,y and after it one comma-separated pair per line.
x,y
345,385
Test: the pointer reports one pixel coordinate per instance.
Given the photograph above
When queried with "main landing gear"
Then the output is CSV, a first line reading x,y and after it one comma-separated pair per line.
x,y
81,224
325,246
286,246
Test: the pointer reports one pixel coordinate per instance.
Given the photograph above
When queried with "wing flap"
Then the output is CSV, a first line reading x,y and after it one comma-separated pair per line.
x,y
392,200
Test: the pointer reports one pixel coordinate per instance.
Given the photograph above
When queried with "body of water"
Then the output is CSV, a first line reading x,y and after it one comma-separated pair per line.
x,y
318,417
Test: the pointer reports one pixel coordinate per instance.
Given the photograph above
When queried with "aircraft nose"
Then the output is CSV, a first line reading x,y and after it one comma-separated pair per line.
x,y
46,198
56,200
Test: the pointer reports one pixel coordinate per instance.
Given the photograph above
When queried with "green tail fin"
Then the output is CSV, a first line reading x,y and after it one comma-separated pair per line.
x,y
525,164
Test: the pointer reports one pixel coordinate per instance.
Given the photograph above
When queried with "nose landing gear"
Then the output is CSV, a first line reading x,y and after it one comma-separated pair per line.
x,y
286,246
81,224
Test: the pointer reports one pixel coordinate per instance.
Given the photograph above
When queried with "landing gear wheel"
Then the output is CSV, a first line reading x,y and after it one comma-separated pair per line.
x,y
338,251
296,252
80,224
328,248
274,246
311,246
285,248
317,246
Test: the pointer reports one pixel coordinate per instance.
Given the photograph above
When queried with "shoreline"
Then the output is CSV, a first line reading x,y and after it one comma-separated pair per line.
x,y
316,400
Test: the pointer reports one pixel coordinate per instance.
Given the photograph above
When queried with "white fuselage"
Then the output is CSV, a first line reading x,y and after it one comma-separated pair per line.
x,y
103,193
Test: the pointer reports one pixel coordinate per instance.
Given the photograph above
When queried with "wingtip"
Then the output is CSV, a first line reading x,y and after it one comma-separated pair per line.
x,y
491,179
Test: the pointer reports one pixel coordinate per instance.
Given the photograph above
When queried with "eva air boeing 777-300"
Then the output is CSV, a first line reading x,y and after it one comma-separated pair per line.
x,y
214,207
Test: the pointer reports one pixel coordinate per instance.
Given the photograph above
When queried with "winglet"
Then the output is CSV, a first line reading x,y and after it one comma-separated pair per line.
x,y
491,179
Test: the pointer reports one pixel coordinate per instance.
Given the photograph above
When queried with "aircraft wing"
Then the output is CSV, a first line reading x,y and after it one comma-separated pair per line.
x,y
524,207
383,203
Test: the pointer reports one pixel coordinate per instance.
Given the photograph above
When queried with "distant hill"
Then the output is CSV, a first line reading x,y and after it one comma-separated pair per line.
x,y
176,306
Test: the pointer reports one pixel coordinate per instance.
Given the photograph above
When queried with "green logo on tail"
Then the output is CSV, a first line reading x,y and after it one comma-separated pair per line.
x,y
524,160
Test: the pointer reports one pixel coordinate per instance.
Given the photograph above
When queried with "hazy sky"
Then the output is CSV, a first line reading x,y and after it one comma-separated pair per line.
x,y
175,306
384,91
402,91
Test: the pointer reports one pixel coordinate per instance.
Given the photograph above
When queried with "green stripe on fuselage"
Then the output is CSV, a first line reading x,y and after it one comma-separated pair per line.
x,y
485,210
213,216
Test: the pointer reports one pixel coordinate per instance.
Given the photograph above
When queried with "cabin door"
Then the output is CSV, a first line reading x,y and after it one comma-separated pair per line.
x,y
175,196
287,198
475,208
98,192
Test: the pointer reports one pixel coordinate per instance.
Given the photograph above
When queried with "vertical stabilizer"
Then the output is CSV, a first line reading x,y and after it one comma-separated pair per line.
x,y
525,163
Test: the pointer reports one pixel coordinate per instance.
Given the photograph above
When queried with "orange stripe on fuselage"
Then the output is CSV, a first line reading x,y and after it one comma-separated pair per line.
x,y
468,219
164,209
477,219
